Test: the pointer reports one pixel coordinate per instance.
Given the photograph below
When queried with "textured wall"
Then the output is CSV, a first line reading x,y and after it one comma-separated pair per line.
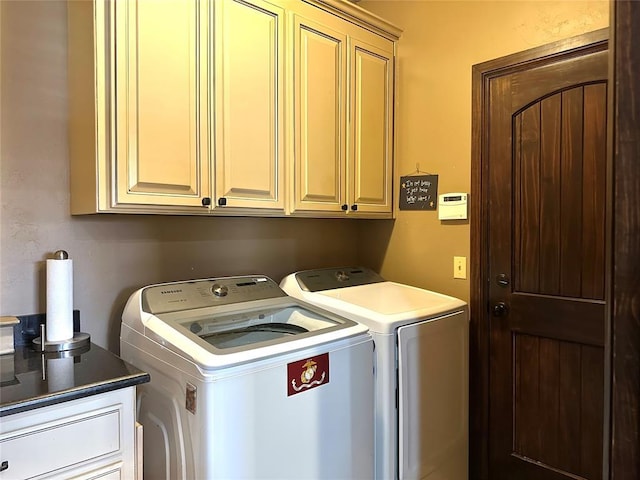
x,y
442,40
113,254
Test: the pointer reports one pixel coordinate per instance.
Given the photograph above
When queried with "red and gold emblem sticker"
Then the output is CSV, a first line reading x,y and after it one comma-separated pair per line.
x,y
306,374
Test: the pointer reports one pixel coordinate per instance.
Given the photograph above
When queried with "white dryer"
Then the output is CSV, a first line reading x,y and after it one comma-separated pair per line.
x,y
421,343
249,383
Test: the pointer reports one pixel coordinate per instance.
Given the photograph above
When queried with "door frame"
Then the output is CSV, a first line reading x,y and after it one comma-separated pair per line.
x,y
622,403
479,351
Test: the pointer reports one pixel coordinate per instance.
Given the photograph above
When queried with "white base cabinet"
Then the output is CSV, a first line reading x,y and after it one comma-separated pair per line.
x,y
87,438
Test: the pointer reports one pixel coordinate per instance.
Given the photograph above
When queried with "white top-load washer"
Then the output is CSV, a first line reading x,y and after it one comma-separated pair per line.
x,y
249,383
421,342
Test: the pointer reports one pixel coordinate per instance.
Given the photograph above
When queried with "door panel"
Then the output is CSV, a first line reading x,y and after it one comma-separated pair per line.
x,y
320,91
433,402
557,401
370,139
250,104
530,85
559,214
547,237
594,188
161,127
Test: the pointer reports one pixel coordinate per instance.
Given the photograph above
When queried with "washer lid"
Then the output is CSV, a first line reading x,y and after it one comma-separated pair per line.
x,y
240,330
381,306
219,322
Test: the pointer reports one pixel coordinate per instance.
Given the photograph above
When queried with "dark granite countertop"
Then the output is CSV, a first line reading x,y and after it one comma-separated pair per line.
x,y
32,380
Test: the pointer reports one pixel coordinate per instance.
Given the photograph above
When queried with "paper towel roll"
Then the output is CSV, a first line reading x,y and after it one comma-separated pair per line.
x,y
59,300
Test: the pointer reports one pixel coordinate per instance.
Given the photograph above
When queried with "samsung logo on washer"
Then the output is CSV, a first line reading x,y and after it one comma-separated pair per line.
x,y
168,292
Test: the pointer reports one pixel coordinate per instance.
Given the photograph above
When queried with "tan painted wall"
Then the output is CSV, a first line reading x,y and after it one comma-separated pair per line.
x,y
440,43
113,254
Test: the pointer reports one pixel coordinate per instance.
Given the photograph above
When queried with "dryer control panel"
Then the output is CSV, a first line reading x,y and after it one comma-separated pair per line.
x,y
179,296
332,278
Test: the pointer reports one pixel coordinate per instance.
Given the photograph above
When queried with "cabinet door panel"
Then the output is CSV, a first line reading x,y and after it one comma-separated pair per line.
x,y
16,449
249,107
370,172
160,102
319,99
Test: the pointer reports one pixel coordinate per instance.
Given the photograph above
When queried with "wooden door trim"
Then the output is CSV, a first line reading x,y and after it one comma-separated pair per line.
x,y
479,292
624,328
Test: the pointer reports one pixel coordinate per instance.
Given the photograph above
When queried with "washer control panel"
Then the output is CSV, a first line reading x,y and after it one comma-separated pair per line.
x,y
175,297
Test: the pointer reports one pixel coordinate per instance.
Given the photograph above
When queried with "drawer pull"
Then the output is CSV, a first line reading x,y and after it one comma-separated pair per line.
x,y
4,465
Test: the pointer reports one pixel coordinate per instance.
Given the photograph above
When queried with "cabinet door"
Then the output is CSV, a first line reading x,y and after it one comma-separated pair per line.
x,y
320,89
371,126
159,102
249,106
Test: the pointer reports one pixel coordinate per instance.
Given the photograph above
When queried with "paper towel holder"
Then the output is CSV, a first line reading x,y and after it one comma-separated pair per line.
x,y
79,340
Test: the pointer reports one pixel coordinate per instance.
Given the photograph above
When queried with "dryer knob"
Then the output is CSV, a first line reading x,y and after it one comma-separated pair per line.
x,y
341,276
219,290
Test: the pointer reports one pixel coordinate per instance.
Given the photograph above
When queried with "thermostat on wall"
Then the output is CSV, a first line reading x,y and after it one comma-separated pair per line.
x,y
452,206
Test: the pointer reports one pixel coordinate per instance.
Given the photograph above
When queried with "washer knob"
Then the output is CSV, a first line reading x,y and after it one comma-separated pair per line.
x,y
219,290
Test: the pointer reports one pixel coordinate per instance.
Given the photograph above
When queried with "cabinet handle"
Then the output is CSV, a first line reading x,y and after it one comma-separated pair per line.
x,y
354,207
206,201
222,201
4,465
345,207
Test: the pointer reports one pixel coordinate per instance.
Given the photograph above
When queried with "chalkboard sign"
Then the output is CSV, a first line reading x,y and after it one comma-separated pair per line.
x,y
419,192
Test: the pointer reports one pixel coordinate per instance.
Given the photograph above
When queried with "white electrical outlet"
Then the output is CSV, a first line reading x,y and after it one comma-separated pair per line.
x,y
460,267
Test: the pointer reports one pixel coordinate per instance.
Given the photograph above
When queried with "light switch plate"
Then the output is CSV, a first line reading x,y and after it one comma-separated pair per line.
x,y
460,267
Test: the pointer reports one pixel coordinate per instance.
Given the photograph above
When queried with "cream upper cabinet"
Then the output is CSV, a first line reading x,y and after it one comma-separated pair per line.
x,y
319,99
139,105
371,128
249,107
343,85
256,107
160,99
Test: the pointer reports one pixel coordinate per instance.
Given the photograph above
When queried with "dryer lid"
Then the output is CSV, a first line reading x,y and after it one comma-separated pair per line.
x,y
394,299
381,305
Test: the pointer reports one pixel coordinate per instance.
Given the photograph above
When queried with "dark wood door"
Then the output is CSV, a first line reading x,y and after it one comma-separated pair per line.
x,y
546,268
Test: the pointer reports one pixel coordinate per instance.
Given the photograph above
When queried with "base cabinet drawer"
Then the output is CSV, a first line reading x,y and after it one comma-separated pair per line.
x,y
93,437
58,445
108,472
